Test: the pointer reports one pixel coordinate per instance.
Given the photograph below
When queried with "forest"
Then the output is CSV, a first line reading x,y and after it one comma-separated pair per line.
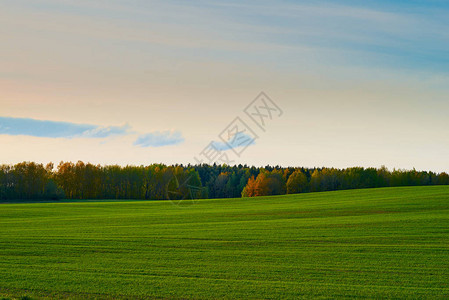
x,y
68,180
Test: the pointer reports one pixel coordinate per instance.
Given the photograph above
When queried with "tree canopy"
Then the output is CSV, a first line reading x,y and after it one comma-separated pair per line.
x,y
30,180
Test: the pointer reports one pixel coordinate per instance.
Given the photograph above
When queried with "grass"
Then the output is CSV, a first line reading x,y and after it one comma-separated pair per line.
x,y
374,243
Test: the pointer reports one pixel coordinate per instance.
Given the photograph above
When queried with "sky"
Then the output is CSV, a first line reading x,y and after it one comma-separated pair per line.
x,y
345,83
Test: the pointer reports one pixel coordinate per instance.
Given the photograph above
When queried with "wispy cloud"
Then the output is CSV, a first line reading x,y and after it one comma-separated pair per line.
x,y
240,139
52,129
159,139
376,34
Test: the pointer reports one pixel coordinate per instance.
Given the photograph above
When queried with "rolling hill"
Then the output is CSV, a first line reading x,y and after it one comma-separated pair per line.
x,y
389,242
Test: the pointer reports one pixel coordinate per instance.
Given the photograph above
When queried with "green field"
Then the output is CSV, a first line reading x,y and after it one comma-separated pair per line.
x,y
374,243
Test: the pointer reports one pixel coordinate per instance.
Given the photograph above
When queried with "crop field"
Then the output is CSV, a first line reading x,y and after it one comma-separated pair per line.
x,y
375,243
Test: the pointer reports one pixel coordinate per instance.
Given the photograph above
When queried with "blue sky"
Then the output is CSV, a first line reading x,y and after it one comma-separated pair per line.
x,y
367,77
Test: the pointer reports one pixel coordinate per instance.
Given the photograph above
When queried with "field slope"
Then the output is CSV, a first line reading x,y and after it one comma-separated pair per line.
x,y
391,242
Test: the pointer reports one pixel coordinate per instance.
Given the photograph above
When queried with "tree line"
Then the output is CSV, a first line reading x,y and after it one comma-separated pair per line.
x,y
30,181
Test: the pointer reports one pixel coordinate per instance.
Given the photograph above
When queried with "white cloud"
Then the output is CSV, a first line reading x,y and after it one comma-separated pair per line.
x,y
240,139
53,129
159,139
